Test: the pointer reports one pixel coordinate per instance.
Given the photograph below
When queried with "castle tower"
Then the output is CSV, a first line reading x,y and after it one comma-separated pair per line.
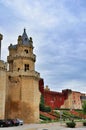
x,y
23,94
2,84
1,37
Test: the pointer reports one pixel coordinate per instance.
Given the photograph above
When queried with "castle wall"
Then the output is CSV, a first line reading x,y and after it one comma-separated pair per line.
x,y
53,99
68,101
23,98
77,104
2,89
31,95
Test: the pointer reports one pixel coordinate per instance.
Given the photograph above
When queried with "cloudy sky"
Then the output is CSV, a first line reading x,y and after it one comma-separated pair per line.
x,y
58,28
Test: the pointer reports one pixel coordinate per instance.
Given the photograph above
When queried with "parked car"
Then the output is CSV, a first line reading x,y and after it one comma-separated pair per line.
x,y
11,122
15,122
5,123
21,122
1,123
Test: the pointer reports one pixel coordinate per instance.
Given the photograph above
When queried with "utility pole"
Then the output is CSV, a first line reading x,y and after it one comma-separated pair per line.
x,y
1,37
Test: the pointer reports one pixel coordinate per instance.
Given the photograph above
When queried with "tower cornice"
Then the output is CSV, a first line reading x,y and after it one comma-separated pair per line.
x,y
22,73
31,57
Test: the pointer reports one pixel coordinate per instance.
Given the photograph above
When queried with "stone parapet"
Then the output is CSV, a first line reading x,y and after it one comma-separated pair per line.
x,y
22,55
3,65
25,73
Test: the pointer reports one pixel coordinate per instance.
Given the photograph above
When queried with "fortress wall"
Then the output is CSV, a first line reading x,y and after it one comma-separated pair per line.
x,y
2,89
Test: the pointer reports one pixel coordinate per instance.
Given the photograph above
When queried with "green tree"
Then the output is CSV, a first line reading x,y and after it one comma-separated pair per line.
x,y
42,99
42,105
84,107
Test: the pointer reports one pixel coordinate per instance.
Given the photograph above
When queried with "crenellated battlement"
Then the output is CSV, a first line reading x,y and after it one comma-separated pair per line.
x,y
3,65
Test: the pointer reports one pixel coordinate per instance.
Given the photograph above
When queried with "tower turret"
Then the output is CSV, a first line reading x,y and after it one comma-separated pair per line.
x,y
1,37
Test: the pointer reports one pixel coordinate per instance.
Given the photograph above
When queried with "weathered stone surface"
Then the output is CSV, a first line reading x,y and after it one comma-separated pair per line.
x,y
2,88
19,87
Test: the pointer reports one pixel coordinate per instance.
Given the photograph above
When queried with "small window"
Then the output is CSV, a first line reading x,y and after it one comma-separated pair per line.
x,y
26,51
26,67
25,39
18,69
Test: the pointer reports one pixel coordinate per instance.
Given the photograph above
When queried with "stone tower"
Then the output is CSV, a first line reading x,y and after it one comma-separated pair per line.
x,y
23,94
1,37
3,69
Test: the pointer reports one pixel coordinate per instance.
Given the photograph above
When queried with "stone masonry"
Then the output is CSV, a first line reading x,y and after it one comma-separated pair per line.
x,y
21,82
2,88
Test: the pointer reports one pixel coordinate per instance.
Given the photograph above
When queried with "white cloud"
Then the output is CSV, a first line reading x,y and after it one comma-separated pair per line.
x,y
75,85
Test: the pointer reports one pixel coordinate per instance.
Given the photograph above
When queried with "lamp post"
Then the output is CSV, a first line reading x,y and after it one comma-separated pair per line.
x,y
61,112
73,107
1,37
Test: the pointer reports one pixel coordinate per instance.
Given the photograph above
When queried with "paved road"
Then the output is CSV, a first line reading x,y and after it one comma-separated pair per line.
x,y
49,126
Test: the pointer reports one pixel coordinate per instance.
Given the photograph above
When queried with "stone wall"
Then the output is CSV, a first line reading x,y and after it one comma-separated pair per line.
x,y
2,89
23,98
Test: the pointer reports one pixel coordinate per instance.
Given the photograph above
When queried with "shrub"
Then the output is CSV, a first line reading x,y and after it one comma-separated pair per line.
x,y
42,107
84,107
84,123
47,109
71,124
44,118
62,109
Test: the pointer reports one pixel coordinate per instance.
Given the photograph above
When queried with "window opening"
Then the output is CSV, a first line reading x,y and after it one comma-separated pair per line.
x,y
25,39
26,51
26,67
18,69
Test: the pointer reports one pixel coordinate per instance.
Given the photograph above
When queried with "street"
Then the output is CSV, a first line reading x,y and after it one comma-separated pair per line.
x,y
48,126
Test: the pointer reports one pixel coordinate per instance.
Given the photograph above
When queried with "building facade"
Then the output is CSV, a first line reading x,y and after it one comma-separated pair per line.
x,y
21,82
73,101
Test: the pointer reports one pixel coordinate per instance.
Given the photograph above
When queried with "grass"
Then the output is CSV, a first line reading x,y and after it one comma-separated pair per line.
x,y
64,118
